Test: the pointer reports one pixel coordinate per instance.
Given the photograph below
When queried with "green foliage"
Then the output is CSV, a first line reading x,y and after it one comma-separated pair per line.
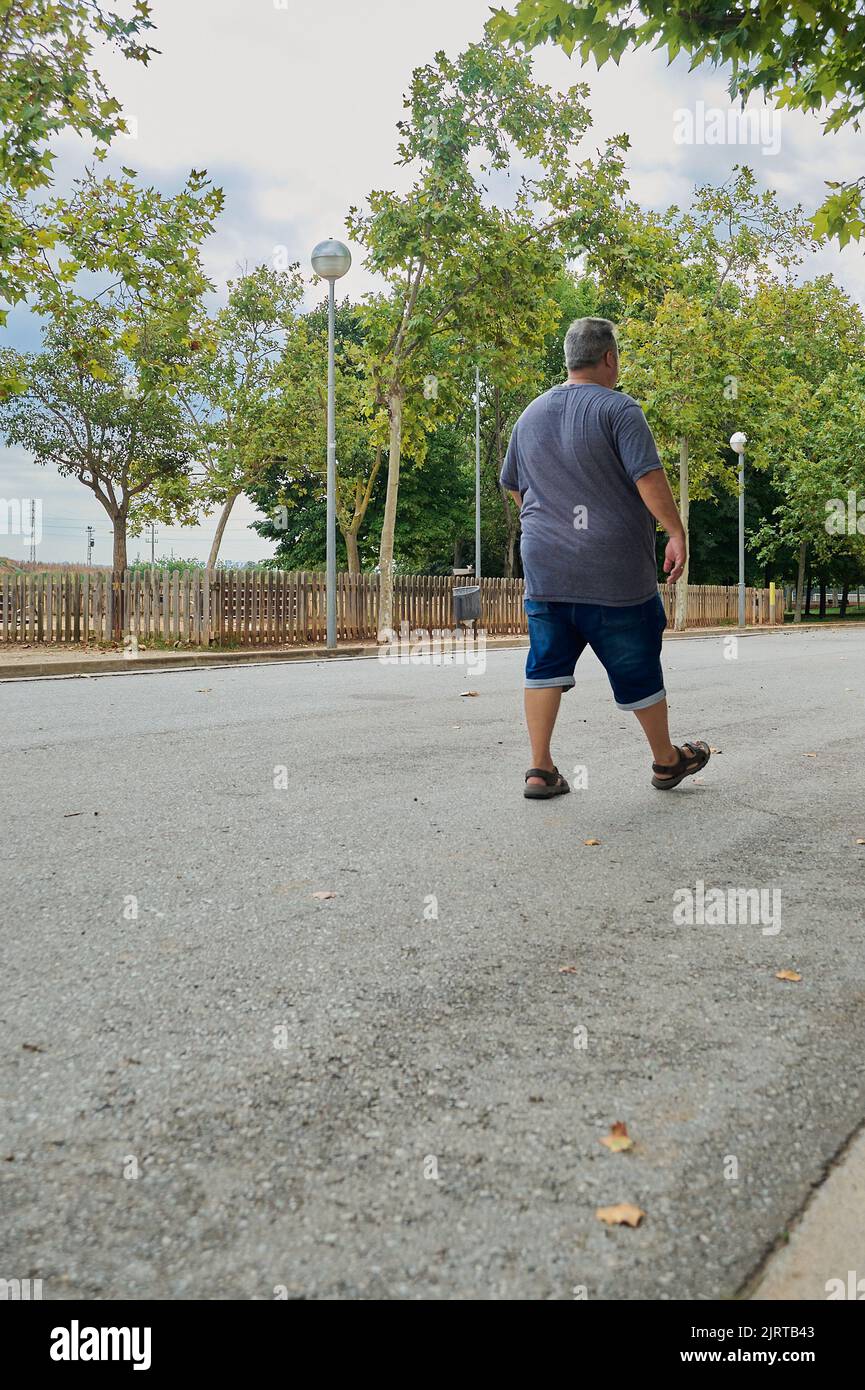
x,y
435,512
82,411
47,85
165,562
808,344
251,392
806,57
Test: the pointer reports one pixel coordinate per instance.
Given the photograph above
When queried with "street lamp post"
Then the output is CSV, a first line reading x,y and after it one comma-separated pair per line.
x,y
477,474
737,444
330,261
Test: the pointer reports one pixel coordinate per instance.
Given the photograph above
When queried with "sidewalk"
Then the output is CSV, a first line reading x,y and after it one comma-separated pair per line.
x,y
30,660
823,1254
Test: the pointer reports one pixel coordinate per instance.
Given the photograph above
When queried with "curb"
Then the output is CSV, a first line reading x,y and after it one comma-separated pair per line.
x,y
251,656
184,661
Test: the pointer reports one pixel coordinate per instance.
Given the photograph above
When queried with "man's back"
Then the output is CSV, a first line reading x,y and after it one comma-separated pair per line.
x,y
574,455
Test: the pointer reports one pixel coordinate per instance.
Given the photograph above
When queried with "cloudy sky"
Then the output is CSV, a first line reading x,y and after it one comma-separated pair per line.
x,y
291,104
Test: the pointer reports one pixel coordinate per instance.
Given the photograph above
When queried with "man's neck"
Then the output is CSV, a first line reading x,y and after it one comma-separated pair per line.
x,y
586,378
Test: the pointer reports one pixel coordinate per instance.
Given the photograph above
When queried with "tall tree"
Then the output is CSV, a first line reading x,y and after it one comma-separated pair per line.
x,y
124,340
808,344
241,401
286,469
466,273
686,357
84,411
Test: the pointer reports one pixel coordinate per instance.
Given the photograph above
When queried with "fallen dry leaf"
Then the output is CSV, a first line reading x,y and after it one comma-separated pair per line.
x,y
787,975
715,750
206,691
591,842
567,970
469,692
623,1214
810,755
618,1140
322,895
860,842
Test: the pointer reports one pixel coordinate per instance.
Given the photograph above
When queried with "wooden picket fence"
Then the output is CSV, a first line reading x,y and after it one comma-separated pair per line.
x,y
277,608
714,605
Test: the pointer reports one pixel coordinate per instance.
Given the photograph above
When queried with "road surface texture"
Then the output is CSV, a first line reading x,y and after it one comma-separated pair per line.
x,y
400,1091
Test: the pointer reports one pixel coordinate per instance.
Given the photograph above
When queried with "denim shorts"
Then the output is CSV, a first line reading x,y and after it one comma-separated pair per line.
x,y
626,641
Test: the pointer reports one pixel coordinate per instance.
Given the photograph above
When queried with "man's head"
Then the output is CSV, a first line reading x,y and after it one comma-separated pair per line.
x,y
591,353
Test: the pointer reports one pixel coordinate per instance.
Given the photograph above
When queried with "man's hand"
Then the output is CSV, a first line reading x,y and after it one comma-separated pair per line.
x,y
674,558
655,492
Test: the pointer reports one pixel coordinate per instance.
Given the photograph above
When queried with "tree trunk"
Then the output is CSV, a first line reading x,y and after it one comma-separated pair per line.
x,y
220,528
118,570
512,520
510,554
388,526
845,596
808,586
800,582
351,550
681,617
822,598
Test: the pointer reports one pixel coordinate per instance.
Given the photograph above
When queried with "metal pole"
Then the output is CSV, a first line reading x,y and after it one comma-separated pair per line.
x,y
331,473
477,473
742,539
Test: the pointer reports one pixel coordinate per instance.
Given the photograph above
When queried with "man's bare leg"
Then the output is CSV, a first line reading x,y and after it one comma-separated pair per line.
x,y
542,707
654,722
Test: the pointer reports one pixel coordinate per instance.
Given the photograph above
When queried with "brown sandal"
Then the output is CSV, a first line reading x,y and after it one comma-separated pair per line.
x,y
692,756
555,784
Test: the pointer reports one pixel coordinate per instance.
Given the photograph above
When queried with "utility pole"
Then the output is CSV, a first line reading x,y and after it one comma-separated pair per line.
x,y
33,528
90,544
153,542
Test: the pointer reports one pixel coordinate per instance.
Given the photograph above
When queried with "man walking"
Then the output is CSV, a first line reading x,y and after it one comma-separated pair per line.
x,y
583,468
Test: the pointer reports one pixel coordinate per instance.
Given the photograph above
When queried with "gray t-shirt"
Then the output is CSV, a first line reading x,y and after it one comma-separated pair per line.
x,y
574,455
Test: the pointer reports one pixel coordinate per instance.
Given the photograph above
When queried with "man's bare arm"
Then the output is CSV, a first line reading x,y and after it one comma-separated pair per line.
x,y
516,496
658,497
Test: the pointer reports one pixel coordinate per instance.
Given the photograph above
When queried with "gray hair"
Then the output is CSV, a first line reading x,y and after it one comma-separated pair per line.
x,y
587,340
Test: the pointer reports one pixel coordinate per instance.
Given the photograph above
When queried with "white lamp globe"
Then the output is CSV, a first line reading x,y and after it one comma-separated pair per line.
x,y
330,259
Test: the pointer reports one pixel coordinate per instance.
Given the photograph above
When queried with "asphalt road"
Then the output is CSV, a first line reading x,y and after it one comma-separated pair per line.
x,y
350,1097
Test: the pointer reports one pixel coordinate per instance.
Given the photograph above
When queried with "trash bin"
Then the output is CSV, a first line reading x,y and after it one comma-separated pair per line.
x,y
467,604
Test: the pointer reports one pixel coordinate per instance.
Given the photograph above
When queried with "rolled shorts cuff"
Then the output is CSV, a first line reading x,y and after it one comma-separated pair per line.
x,y
646,703
565,681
